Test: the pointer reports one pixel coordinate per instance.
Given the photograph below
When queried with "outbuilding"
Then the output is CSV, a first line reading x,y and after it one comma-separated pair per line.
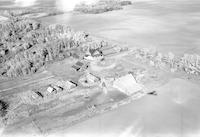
x,y
51,89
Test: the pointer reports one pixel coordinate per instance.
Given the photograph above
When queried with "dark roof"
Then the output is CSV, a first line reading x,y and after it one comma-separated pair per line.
x,y
75,55
79,63
76,67
92,51
74,83
96,53
39,94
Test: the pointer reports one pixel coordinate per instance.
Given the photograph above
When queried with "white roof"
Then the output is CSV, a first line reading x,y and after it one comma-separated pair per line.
x,y
50,89
127,84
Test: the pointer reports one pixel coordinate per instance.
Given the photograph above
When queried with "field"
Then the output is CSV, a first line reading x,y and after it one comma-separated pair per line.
x,y
162,25
175,111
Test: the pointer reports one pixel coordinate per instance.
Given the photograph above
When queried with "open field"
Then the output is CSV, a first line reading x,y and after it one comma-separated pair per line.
x,y
174,112
163,25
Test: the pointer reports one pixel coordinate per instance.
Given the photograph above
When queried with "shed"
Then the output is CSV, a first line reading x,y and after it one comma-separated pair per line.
x,y
79,63
107,47
69,85
96,53
89,80
66,85
50,89
109,51
77,68
39,94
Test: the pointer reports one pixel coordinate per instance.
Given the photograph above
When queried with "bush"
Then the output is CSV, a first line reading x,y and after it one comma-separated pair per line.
x,y
3,108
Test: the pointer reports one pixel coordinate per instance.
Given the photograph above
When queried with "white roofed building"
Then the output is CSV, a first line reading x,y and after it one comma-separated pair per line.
x,y
127,84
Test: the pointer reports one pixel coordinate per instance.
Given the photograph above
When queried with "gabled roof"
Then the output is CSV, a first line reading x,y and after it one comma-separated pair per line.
x,y
79,63
107,47
96,53
109,51
127,84
76,67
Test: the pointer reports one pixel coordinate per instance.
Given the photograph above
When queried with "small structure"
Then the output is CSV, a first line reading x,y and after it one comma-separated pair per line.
x,y
77,68
109,51
38,94
88,80
97,53
127,84
103,85
107,47
93,55
34,95
50,89
58,88
92,78
66,85
94,58
125,3
69,85
80,66
75,55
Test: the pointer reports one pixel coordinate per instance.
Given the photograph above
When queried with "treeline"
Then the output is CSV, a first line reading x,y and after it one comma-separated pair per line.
x,y
27,45
189,63
16,12
26,11
100,7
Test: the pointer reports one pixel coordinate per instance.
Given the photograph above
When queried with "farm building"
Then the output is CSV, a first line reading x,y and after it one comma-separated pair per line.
x,y
50,89
95,57
79,66
107,47
111,50
88,80
66,85
127,84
